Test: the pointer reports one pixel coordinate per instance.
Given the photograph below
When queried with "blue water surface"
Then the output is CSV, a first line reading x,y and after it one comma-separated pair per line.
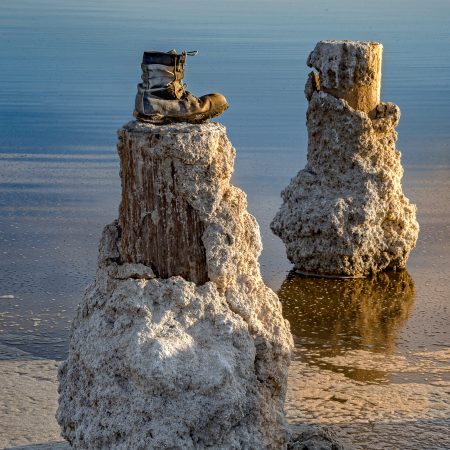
x,y
68,74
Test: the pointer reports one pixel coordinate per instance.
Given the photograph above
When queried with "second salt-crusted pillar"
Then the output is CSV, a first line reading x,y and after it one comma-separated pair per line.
x,y
345,214
178,344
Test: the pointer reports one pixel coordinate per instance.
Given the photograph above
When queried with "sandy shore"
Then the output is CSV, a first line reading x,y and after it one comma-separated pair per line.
x,y
400,416
368,415
28,401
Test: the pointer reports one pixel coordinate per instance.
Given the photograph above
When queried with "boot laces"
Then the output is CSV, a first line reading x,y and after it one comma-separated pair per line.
x,y
180,68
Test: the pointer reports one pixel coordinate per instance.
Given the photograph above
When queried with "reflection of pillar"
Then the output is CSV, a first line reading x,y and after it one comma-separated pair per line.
x,y
350,70
348,313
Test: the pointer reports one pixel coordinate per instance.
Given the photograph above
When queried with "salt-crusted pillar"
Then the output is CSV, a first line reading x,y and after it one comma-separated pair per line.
x,y
345,214
178,343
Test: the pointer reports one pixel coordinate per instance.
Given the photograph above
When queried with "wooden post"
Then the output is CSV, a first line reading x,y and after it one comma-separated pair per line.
x,y
159,225
350,70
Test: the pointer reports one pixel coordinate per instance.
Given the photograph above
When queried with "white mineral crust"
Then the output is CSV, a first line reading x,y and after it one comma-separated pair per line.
x,y
345,214
164,363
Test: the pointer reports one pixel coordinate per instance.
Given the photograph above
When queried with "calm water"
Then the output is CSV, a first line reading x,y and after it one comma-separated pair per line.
x,y
68,73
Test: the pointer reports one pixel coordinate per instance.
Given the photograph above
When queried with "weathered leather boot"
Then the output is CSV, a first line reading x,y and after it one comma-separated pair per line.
x,y
162,96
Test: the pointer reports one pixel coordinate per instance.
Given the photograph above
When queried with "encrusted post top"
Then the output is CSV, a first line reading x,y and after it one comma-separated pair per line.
x,y
201,144
137,126
350,70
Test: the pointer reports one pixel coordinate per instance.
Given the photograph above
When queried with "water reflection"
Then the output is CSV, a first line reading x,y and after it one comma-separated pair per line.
x,y
331,316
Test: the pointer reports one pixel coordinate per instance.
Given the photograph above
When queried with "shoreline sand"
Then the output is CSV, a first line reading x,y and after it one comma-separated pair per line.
x,y
366,415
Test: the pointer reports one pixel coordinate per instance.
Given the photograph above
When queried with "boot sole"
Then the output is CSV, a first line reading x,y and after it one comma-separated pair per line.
x,y
159,119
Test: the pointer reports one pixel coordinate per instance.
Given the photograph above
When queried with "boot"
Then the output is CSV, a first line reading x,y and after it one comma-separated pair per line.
x,y
162,96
